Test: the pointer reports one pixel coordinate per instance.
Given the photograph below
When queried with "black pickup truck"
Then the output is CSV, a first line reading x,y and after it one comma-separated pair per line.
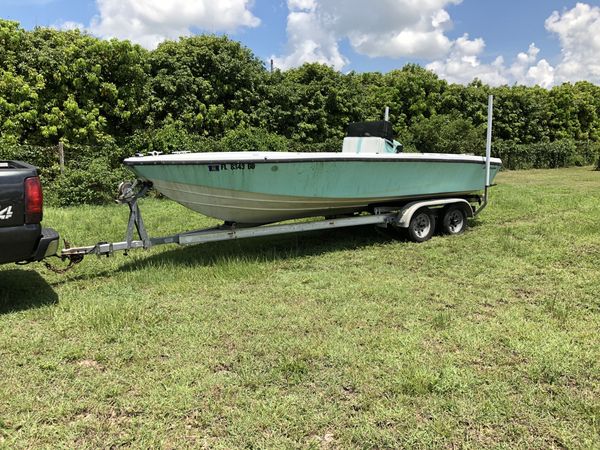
x,y
22,238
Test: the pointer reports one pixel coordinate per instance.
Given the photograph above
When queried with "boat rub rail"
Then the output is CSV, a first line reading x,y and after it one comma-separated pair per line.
x,y
141,162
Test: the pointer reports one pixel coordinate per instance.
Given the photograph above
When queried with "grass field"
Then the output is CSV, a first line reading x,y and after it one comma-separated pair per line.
x,y
338,339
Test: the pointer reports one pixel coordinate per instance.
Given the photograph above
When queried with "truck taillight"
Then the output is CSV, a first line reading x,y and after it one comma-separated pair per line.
x,y
34,200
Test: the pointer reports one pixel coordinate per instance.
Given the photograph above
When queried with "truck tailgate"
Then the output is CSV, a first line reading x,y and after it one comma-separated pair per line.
x,y
12,201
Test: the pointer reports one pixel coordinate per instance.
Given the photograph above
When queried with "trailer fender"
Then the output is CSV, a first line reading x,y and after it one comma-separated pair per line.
x,y
406,213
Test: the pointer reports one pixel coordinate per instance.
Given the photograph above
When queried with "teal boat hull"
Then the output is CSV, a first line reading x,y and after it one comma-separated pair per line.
x,y
255,189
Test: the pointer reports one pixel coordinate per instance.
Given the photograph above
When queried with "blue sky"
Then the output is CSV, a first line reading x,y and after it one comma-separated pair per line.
x,y
459,40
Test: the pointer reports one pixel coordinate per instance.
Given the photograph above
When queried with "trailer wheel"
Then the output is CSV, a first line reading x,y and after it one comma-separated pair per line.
x,y
421,226
454,220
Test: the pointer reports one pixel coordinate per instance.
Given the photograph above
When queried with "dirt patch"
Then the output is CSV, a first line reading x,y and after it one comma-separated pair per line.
x,y
91,364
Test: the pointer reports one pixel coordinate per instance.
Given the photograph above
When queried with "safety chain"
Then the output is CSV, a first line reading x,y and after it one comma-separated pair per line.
x,y
73,259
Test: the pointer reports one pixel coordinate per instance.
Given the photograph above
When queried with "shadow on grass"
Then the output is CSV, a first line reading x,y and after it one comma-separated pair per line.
x,y
474,223
24,289
274,248
267,249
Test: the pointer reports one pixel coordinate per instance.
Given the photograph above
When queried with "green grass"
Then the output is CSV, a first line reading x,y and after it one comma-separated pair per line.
x,y
337,339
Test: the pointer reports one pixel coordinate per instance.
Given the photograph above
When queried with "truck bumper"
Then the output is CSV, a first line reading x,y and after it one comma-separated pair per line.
x,y
48,244
27,243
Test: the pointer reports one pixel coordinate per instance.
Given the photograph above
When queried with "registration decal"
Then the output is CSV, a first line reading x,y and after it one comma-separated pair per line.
x,y
231,166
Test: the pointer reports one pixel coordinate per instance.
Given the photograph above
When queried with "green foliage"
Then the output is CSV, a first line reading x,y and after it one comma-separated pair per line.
x,y
546,155
18,100
447,134
71,87
91,174
311,104
93,181
332,144
414,92
208,83
42,157
253,139
89,91
587,153
169,138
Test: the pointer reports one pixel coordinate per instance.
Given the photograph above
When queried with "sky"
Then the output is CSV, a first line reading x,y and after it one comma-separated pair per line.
x,y
544,42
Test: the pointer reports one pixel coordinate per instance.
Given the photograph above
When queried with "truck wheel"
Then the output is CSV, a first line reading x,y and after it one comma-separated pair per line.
x,y
421,226
454,220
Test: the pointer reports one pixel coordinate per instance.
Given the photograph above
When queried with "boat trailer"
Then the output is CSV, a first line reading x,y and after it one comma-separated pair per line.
x,y
396,217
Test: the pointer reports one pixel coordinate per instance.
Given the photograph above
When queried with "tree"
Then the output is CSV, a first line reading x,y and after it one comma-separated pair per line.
x,y
18,105
208,83
415,93
85,90
72,87
448,134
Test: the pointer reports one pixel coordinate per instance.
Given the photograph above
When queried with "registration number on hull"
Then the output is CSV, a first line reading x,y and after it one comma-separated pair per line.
x,y
231,166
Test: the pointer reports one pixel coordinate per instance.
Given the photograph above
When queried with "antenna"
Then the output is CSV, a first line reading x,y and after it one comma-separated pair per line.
x,y
488,145
386,115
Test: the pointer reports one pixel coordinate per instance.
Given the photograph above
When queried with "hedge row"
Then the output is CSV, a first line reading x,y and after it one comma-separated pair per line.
x,y
547,155
92,174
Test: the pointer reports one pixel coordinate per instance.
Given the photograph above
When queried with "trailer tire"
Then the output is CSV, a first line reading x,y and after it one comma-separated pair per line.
x,y
421,226
454,220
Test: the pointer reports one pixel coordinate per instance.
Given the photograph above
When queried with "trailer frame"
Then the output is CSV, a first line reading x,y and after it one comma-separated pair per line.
x,y
385,216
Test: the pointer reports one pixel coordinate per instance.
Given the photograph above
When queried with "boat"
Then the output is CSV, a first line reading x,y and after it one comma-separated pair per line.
x,y
264,187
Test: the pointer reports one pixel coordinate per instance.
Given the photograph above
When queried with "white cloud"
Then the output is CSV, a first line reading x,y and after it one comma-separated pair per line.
x,y
309,41
410,28
529,71
463,64
149,22
307,5
542,73
578,31
69,25
379,28
423,44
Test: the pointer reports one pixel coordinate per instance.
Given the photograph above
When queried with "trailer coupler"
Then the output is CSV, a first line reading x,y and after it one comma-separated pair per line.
x,y
73,260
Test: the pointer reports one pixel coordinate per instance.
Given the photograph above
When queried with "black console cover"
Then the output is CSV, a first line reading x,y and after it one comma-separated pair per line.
x,y
380,128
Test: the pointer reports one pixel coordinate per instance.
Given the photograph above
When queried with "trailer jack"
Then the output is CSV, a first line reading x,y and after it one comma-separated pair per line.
x,y
129,193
